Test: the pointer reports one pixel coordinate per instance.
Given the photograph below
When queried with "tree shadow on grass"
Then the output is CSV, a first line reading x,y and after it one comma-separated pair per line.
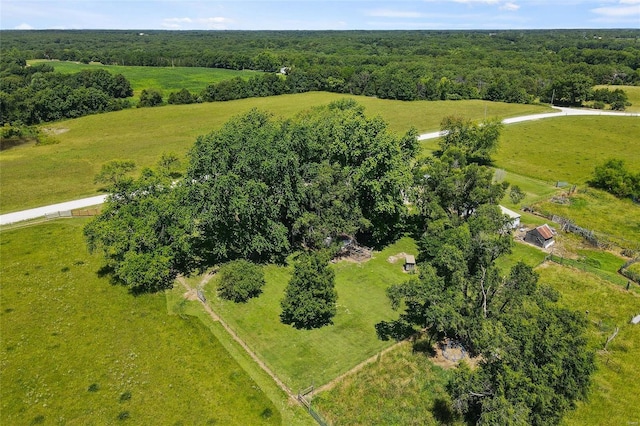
x,y
443,412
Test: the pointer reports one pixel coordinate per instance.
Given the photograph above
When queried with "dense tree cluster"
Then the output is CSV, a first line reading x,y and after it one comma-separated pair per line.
x,y
510,66
534,361
614,177
259,188
35,94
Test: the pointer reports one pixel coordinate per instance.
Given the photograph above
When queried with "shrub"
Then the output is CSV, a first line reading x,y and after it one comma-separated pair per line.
x,y
240,280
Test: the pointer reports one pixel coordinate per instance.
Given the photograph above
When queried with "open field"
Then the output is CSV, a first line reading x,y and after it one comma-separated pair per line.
x,y
301,358
166,79
76,349
568,148
38,175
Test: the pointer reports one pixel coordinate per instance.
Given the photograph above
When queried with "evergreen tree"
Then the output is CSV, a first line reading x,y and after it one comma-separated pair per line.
x,y
310,297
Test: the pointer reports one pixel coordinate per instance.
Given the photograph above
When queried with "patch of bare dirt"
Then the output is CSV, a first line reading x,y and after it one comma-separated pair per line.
x,y
397,257
453,353
54,130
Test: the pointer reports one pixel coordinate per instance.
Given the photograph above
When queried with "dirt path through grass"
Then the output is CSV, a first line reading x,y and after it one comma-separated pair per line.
x,y
232,333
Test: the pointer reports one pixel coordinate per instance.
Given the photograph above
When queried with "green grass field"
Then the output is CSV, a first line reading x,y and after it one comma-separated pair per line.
x,y
38,175
405,388
301,358
602,212
166,79
616,383
77,350
568,148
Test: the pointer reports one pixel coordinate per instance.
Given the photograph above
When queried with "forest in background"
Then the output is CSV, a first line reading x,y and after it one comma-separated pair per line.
x,y
513,66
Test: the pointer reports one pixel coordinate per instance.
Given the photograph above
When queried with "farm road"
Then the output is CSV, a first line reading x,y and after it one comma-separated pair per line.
x,y
561,112
39,212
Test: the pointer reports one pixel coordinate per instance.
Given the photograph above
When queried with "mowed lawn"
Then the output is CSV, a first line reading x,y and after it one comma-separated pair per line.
x,y
166,79
33,176
301,358
76,349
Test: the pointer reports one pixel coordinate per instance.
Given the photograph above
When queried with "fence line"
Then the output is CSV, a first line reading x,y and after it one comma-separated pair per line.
x,y
302,397
614,278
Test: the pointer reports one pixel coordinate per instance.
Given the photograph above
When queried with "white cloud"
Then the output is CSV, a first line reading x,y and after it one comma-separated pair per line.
x,y
509,6
212,23
386,13
23,27
619,11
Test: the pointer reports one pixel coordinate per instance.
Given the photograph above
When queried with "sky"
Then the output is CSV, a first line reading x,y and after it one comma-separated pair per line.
x,y
318,15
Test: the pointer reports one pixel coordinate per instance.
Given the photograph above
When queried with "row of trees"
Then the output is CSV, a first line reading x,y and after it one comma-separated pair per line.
x,y
399,84
35,94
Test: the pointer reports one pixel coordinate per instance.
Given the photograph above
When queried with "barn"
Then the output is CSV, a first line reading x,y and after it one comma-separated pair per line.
x,y
542,236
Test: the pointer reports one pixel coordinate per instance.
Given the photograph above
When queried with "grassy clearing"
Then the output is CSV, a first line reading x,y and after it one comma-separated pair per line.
x,y
76,349
38,175
568,148
166,79
304,357
616,384
602,212
405,388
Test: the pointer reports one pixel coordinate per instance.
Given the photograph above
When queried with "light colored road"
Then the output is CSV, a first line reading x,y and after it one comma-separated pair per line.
x,y
8,218
560,112
38,212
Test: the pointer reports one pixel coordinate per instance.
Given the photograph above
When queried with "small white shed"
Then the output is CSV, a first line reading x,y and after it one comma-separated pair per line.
x,y
513,216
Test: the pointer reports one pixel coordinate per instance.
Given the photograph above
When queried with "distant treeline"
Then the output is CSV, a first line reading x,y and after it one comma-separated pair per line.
x,y
559,66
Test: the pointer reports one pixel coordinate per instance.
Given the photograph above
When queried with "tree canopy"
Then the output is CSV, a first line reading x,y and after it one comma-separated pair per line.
x,y
259,188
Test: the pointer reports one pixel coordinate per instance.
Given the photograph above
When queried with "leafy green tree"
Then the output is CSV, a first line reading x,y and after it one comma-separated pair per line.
x,y
150,98
536,373
144,233
615,178
182,96
476,141
169,164
112,172
244,185
516,194
240,280
310,297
